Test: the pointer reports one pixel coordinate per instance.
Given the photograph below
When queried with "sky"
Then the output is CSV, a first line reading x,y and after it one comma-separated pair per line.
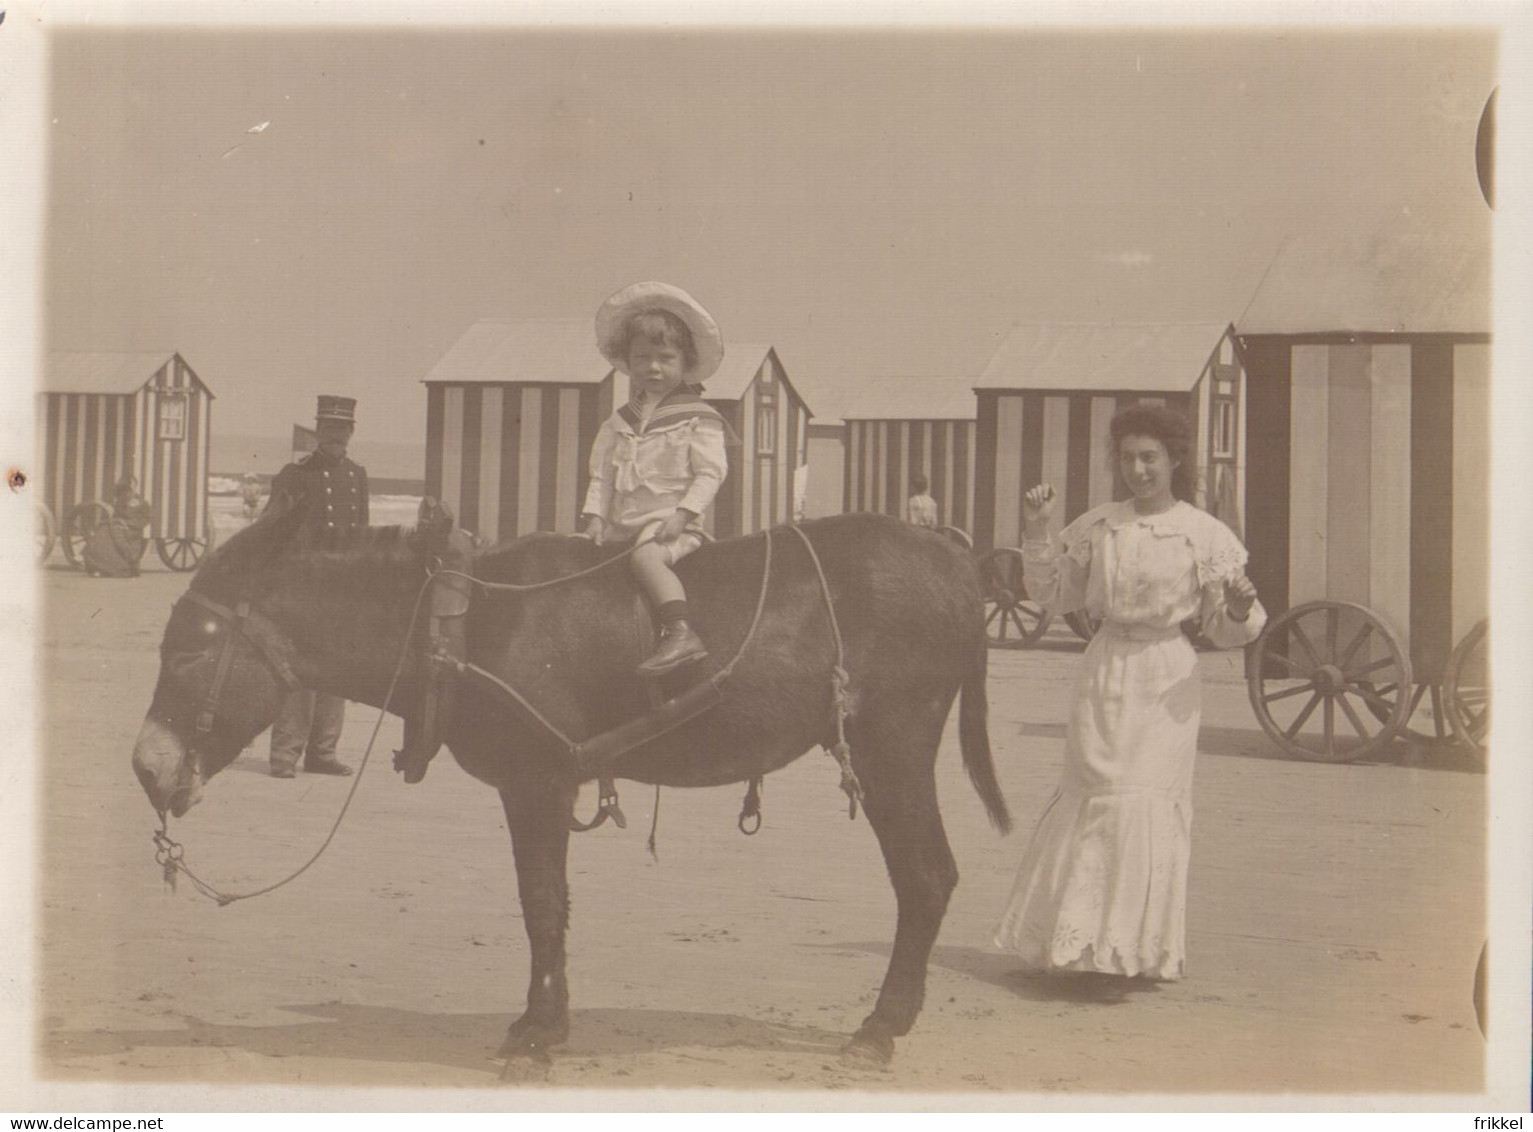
x,y
869,202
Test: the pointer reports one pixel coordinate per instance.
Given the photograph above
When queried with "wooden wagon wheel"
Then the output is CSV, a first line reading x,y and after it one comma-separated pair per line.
x,y
1466,687
1316,675
1432,693
184,553
958,535
47,531
1011,620
1084,625
79,522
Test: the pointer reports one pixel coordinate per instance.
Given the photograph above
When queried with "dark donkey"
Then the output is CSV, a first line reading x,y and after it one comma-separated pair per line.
x,y
335,613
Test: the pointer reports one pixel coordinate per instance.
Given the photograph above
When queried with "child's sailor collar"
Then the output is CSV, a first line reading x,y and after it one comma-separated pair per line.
x,y
675,407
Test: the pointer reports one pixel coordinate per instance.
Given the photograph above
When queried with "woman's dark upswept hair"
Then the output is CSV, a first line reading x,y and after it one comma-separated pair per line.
x,y
1170,428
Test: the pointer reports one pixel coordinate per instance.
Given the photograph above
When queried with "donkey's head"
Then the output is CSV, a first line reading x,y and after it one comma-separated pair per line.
x,y
224,667
271,610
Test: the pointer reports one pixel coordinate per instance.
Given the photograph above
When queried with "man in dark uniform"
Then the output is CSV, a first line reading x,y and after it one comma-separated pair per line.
x,y
335,490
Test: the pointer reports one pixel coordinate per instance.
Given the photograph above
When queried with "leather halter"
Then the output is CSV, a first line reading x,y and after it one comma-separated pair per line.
x,y
256,629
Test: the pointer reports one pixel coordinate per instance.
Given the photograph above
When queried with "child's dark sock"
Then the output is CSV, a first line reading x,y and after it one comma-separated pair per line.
x,y
671,612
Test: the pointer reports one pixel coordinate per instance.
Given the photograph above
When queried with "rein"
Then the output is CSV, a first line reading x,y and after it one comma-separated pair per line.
x,y
169,854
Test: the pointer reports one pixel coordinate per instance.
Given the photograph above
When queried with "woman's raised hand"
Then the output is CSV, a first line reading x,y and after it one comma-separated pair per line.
x,y
1038,504
1239,597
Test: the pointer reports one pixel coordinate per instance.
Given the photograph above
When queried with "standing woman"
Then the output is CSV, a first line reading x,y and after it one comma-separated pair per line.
x,y
1103,884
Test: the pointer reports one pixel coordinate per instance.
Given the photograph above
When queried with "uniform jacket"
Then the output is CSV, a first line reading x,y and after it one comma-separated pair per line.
x,y
642,471
336,491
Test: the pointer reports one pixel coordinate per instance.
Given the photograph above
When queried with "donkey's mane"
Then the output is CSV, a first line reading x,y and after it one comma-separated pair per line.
x,y
537,557
259,547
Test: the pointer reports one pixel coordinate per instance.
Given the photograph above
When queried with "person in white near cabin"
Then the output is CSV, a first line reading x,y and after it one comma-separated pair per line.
x,y
1103,882
658,461
921,508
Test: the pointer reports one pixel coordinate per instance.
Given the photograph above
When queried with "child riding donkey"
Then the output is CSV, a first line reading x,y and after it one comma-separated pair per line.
x,y
656,464
659,460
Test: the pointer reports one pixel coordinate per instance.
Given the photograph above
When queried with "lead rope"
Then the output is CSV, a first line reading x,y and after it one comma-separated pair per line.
x,y
170,854
839,689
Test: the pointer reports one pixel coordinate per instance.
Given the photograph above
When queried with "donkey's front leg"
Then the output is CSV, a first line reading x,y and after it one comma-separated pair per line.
x,y
538,816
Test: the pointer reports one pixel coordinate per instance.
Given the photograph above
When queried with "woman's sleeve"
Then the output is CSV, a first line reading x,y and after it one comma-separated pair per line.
x,y
1223,562
599,493
709,465
1057,580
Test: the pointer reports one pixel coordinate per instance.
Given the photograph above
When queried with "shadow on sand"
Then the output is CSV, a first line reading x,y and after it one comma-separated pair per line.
x,y
460,1041
1000,970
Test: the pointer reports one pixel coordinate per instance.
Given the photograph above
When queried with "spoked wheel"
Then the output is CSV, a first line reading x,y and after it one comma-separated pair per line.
x,y
79,524
1318,676
182,554
1426,721
1466,687
958,535
1084,625
1011,620
46,532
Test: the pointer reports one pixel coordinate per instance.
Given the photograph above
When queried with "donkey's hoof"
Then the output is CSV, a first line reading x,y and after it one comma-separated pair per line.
x,y
527,1037
867,1051
527,1069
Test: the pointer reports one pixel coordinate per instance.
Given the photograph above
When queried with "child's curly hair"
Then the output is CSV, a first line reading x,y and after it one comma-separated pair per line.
x,y
1170,428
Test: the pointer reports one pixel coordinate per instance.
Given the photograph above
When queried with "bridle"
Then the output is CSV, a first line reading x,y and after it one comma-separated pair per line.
x,y
259,631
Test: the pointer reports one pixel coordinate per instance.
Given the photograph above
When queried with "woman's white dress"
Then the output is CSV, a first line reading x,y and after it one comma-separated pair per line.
x,y
1103,884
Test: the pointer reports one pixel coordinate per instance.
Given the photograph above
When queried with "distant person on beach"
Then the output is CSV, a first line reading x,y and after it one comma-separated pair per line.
x,y
333,488
250,495
921,508
116,545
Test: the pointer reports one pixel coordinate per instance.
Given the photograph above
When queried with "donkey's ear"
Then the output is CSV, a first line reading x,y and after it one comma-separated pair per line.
x,y
283,513
259,545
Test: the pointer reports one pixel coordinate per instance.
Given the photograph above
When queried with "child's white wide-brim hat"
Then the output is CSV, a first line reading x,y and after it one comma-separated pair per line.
x,y
640,297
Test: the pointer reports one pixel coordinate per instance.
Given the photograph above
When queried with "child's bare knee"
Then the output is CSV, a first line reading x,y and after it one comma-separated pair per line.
x,y
649,555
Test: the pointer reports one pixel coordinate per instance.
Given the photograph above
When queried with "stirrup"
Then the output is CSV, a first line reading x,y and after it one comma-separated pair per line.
x,y
606,807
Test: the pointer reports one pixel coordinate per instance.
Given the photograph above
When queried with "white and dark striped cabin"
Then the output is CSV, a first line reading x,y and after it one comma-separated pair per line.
x,y
768,471
901,427
513,407
1368,477
1048,393
511,412
103,415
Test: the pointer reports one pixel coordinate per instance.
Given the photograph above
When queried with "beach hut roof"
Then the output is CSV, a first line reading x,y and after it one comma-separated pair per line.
x,y
99,371
907,398
502,350
1084,356
1416,283
742,362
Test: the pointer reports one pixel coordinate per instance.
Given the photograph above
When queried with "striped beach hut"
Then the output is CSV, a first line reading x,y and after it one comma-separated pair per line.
x,y
511,412
768,472
1048,393
899,427
513,407
1368,432
104,415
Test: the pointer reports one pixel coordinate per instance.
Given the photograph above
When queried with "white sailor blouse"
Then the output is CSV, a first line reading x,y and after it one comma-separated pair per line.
x,y
336,491
647,469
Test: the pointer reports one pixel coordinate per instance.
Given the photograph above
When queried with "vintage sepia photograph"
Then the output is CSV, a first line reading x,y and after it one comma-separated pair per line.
x,y
642,561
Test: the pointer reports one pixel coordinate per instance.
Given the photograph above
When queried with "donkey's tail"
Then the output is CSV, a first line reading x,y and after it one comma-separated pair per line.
x,y
974,740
